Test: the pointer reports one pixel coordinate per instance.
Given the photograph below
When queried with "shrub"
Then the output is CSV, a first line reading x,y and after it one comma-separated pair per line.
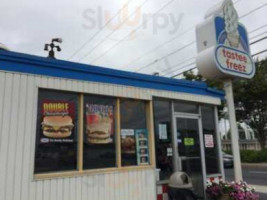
x,y
252,156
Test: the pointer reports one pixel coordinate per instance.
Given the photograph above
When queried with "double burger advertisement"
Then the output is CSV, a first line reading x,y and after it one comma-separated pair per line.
x,y
57,122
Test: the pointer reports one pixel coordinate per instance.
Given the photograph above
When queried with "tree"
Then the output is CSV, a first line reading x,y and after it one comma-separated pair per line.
x,y
250,99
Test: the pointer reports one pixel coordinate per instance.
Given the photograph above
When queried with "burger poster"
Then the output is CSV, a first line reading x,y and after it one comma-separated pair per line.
x,y
99,123
57,121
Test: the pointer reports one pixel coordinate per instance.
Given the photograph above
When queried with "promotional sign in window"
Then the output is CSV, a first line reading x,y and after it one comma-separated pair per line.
x,y
56,133
142,147
99,123
57,121
128,141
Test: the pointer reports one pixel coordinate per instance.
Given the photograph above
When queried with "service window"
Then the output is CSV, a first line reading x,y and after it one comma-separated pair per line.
x,y
210,140
99,132
134,134
57,128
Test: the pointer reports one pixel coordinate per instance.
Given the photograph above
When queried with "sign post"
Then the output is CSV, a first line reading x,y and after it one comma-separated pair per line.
x,y
234,131
224,54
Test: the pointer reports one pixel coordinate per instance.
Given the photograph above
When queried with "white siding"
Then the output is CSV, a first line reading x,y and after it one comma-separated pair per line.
x,y
18,111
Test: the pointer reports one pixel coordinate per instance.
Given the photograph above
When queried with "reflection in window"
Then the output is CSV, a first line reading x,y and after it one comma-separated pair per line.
x,y
210,140
185,107
99,135
133,123
163,138
56,136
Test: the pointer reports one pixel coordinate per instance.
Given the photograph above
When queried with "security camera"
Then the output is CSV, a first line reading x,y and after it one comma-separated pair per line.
x,y
59,40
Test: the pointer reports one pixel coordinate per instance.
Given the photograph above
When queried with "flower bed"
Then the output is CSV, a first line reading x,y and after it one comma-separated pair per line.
x,y
231,191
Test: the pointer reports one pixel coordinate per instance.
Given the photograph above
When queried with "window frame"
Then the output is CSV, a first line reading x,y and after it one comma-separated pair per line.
x,y
118,167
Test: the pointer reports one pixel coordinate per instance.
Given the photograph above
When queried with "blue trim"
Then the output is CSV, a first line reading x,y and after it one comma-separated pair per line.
x,y
18,62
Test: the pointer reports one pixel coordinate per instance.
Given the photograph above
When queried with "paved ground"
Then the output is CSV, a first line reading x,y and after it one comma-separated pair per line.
x,y
255,175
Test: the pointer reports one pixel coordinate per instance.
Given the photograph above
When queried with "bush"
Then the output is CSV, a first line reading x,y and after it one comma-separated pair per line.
x,y
252,156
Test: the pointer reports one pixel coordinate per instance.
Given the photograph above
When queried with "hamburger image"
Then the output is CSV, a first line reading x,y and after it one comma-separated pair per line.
x,y
128,145
98,129
57,126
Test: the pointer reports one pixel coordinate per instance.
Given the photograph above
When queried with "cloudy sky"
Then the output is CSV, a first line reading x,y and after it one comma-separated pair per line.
x,y
146,35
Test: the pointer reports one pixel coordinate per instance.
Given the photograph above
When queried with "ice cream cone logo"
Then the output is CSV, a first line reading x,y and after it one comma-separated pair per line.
x,y
231,23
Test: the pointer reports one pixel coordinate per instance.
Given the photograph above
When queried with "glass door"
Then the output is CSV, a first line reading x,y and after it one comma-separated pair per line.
x,y
189,151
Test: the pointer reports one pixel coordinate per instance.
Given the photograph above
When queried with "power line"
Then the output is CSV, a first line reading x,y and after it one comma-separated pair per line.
x,y
148,65
259,53
177,50
249,13
160,46
96,33
264,38
253,55
115,45
195,57
261,27
254,10
164,44
258,35
112,32
177,65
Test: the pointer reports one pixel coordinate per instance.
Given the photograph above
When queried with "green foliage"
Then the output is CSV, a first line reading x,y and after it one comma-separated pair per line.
x,y
251,156
250,99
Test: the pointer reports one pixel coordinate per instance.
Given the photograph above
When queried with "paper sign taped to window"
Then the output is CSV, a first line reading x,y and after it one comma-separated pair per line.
x,y
169,151
127,132
189,141
209,142
163,132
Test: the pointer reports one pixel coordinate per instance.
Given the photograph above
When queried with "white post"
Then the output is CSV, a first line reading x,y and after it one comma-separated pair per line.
x,y
234,131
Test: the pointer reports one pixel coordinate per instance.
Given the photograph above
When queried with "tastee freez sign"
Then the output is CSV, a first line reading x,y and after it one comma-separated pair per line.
x,y
223,46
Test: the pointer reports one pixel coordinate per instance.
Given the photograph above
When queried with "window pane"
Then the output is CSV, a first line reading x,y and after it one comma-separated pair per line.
x,y
163,138
185,107
99,132
57,128
210,140
134,143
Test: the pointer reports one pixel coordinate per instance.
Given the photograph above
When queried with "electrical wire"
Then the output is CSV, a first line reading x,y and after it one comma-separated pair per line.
x,y
254,10
253,55
115,45
111,33
245,15
164,44
258,35
98,32
157,60
159,46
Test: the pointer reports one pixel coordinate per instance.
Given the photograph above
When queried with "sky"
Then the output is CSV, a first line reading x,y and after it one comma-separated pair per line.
x,y
145,36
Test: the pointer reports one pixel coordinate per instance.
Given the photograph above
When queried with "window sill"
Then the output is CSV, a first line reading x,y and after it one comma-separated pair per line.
x,y
71,174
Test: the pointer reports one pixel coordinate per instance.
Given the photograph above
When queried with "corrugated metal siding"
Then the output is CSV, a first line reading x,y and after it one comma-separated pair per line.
x,y
18,110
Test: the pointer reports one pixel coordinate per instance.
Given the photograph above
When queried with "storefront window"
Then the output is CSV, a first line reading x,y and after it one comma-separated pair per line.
x,y
210,140
185,107
134,134
99,132
57,128
163,138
